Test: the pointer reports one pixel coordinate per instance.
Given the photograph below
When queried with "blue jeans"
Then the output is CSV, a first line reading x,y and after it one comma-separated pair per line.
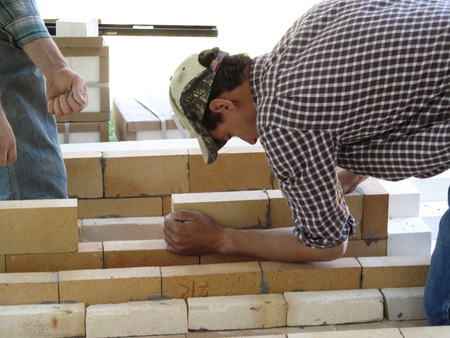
x,y
39,172
437,289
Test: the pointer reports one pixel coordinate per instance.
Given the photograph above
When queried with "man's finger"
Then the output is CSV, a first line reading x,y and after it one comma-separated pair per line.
x,y
79,91
12,156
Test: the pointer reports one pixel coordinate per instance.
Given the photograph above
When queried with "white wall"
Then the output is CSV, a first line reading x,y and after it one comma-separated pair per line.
x,y
143,65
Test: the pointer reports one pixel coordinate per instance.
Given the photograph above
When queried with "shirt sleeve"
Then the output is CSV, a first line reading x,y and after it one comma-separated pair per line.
x,y
304,163
22,21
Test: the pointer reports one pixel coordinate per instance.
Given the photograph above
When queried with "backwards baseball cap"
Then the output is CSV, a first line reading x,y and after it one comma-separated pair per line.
x,y
189,91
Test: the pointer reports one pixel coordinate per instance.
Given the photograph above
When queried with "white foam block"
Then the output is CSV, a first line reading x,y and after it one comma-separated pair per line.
x,y
87,66
320,307
237,312
137,319
94,105
77,28
123,229
81,137
409,236
404,198
404,303
42,320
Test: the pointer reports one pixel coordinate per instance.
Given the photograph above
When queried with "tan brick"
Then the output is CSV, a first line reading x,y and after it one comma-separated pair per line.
x,y
120,207
2,264
38,226
355,203
280,213
340,274
233,209
124,254
366,248
146,173
211,280
123,229
84,174
167,205
375,210
28,288
109,285
42,320
394,272
89,256
236,168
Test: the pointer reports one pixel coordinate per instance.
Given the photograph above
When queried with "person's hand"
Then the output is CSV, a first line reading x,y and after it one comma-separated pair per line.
x,y
8,152
192,233
66,92
349,181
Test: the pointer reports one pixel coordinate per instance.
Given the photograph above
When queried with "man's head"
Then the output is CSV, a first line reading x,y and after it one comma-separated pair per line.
x,y
196,82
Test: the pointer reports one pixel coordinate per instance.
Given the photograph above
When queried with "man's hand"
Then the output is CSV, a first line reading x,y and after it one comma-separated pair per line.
x,y
66,92
349,181
8,153
192,233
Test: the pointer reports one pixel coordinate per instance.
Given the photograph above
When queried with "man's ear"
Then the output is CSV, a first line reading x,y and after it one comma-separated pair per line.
x,y
221,105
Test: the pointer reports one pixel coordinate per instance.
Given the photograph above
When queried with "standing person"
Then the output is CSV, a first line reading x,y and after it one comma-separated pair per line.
x,y
360,84
35,82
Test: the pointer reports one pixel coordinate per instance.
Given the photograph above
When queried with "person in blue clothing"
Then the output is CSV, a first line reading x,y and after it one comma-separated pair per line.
x,y
36,83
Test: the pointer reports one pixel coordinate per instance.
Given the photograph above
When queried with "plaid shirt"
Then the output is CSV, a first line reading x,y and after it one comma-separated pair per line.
x,y
360,84
21,20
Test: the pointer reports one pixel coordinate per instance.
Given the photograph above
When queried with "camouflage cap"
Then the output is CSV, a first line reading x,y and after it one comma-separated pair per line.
x,y
189,91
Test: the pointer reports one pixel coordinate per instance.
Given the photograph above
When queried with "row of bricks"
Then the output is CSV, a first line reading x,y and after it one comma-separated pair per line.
x,y
25,226
175,316
115,174
101,286
157,172
141,253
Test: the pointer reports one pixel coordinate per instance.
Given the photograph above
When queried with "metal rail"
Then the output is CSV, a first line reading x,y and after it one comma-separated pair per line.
x,y
147,30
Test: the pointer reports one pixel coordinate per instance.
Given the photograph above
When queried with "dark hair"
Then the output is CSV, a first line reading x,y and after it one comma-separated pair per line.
x,y
230,75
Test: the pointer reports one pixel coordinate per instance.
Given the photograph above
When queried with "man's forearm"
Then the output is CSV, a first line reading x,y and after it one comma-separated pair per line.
x,y
45,55
275,244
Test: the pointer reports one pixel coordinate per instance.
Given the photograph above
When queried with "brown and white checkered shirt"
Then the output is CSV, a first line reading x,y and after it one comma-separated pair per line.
x,y
360,84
